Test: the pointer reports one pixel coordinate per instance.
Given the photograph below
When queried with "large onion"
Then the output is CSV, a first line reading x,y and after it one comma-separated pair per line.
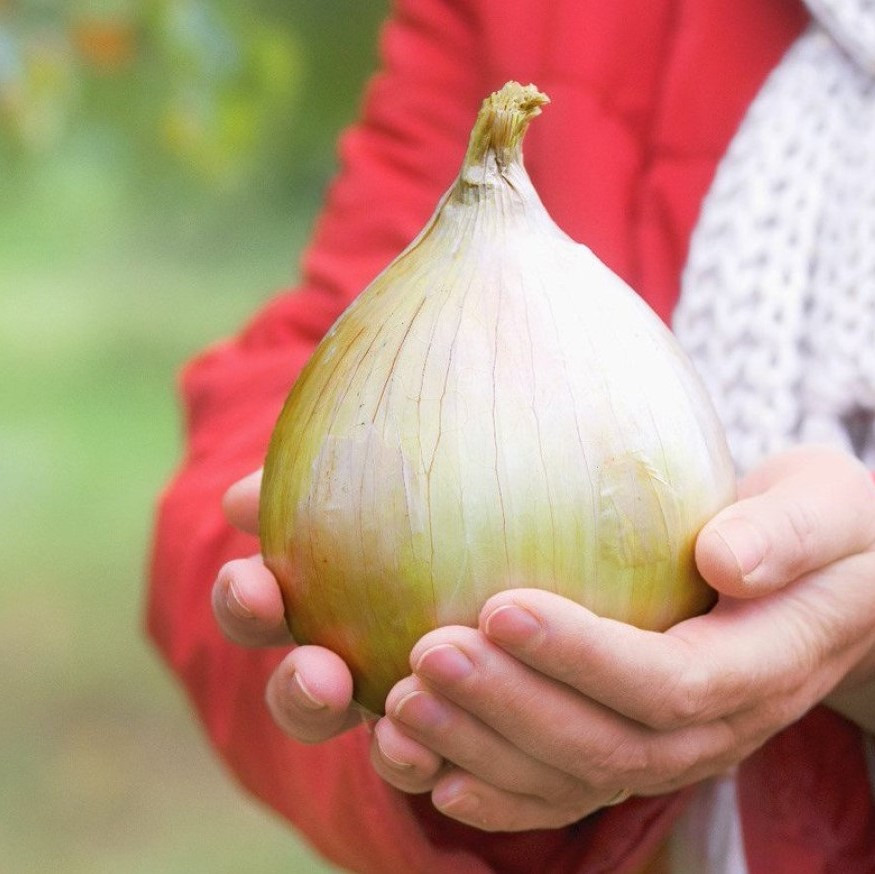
x,y
496,409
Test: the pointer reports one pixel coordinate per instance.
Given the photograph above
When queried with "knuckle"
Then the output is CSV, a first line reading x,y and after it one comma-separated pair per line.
x,y
685,702
799,530
779,712
692,757
622,763
674,763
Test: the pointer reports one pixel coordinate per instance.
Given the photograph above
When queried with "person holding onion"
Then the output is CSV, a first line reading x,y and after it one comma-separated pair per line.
x,y
734,190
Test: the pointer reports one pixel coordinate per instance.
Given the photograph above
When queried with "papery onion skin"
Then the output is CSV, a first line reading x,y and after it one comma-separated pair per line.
x,y
496,409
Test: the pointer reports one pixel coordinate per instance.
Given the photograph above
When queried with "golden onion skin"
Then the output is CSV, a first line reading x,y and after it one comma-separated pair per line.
x,y
496,409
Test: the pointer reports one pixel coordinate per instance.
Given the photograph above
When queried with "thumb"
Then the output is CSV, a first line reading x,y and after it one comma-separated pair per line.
x,y
801,510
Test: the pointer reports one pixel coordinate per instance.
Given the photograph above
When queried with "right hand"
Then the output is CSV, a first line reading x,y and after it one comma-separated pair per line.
x,y
310,692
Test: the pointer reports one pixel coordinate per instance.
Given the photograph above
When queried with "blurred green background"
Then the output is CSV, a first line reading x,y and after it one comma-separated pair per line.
x,y
161,162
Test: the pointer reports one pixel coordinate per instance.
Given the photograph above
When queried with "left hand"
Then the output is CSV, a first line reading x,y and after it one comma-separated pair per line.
x,y
547,712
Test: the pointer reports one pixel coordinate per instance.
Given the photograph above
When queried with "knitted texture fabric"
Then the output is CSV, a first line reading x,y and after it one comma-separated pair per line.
x,y
777,308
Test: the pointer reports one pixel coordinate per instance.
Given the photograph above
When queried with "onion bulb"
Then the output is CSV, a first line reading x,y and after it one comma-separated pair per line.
x,y
496,409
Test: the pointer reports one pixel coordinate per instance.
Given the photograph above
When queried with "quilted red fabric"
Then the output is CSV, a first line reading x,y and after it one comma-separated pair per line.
x,y
645,97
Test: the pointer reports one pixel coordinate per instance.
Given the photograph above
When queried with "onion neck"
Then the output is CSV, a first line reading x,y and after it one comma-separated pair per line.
x,y
492,192
496,139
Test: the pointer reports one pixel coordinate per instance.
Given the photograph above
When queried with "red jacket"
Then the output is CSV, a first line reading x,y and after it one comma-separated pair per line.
x,y
645,97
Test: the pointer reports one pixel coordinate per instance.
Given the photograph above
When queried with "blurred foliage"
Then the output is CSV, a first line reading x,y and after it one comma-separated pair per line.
x,y
161,162
210,91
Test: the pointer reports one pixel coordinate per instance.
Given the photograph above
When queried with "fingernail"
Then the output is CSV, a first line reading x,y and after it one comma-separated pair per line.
x,y
511,624
745,542
462,806
444,663
303,696
391,760
234,603
459,805
419,709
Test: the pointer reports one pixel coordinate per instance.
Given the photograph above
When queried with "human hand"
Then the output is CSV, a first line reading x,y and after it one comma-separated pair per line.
x,y
310,692
547,712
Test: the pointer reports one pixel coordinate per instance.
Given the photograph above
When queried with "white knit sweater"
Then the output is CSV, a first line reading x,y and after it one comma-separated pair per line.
x,y
778,298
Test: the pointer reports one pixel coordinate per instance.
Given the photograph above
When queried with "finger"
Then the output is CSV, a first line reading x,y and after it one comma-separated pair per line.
x,y
403,762
248,605
556,725
547,720
804,510
738,656
310,695
240,503
474,802
459,737
656,679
